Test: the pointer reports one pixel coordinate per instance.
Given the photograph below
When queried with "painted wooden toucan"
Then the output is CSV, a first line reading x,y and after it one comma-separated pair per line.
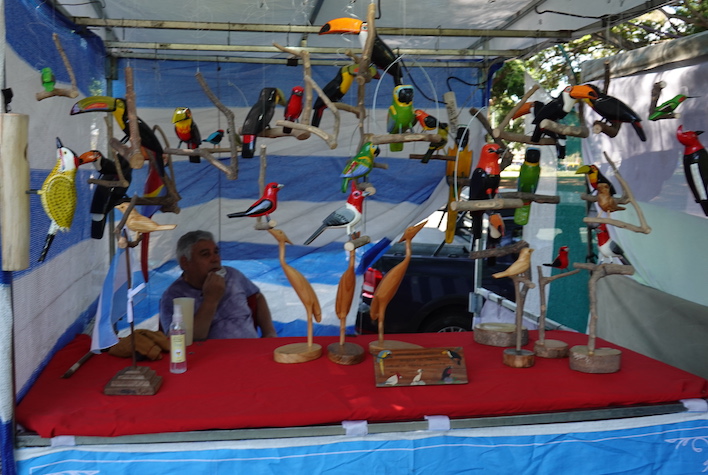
x,y
293,108
557,109
105,198
695,165
335,90
595,176
527,182
187,130
258,118
429,122
615,111
360,165
532,108
150,147
381,55
401,116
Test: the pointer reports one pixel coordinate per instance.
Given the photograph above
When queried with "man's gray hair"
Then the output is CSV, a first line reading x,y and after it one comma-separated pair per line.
x,y
185,243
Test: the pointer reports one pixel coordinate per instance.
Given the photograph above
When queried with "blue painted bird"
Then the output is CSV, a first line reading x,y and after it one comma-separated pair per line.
x,y
401,116
265,205
216,137
258,118
360,165
380,357
527,182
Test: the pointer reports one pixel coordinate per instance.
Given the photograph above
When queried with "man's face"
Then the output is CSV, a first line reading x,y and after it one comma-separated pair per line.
x,y
205,259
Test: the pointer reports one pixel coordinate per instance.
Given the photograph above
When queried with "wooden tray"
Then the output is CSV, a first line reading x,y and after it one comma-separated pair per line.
x,y
420,366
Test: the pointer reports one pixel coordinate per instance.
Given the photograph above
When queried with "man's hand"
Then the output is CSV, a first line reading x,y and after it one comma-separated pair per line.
x,y
214,287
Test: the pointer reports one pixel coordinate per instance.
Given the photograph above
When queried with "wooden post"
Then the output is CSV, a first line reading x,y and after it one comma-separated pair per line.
x,y
548,348
14,200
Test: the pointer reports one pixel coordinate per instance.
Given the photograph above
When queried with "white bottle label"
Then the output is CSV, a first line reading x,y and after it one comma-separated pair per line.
x,y
178,353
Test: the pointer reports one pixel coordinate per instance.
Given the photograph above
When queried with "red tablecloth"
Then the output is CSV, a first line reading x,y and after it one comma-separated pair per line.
x,y
233,384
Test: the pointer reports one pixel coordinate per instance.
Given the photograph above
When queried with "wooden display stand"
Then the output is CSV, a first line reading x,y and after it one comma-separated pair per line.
x,y
343,352
134,381
517,357
499,334
297,353
544,348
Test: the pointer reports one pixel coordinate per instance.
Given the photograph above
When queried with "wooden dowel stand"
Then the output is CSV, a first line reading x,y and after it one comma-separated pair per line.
x,y
517,357
548,348
14,200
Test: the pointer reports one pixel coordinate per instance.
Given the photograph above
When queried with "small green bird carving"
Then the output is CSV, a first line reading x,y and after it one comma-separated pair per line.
x,y
48,79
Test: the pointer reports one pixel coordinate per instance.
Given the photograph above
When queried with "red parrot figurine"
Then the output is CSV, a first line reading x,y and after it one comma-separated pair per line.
x,y
484,182
293,108
264,206
695,165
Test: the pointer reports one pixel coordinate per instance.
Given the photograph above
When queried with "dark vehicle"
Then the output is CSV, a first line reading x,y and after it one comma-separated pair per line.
x,y
438,289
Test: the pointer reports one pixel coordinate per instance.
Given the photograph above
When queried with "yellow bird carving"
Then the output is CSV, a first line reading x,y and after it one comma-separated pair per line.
x,y
58,194
521,265
141,224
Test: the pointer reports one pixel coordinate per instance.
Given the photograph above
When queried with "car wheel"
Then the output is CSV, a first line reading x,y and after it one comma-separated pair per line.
x,y
443,322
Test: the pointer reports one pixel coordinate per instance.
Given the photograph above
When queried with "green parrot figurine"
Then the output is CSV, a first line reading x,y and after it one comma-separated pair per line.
x,y
360,165
48,79
528,181
401,116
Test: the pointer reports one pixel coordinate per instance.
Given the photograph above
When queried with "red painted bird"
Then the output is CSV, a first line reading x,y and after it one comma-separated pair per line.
x,y
608,247
695,165
561,260
345,216
293,108
264,206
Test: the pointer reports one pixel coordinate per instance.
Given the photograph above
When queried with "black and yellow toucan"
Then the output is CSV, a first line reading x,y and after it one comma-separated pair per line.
x,y
381,55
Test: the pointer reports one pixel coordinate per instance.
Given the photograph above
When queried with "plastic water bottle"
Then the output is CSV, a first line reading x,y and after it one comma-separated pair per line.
x,y
178,343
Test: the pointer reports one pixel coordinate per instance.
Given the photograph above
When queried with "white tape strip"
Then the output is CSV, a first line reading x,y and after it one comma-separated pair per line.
x,y
63,441
355,428
438,422
695,405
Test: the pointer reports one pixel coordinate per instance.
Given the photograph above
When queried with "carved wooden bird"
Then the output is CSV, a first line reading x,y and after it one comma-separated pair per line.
x,y
605,199
138,223
58,194
299,283
345,290
521,265
392,280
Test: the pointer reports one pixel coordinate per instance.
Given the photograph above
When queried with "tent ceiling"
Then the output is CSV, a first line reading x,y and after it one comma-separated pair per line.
x,y
427,30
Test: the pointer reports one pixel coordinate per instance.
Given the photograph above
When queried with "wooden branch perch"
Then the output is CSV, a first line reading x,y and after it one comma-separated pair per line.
x,y
643,226
542,283
597,272
133,154
234,139
481,205
57,91
507,157
562,129
521,195
499,251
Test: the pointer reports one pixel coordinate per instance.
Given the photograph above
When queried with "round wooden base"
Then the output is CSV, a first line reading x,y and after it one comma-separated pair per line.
x,y
297,353
347,354
603,360
499,334
551,349
518,359
375,346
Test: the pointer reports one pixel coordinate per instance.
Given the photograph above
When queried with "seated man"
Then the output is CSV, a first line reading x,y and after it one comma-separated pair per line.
x,y
221,307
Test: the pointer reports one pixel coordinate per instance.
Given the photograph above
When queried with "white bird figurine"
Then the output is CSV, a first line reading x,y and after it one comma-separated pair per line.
x,y
393,380
417,379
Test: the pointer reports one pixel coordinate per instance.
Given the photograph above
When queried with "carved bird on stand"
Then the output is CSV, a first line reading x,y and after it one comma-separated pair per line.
x,y
595,176
265,205
299,283
58,194
293,108
258,118
521,265
667,109
401,116
381,54
428,122
392,280
561,260
138,223
347,216
605,200
614,111
695,165
608,247
360,165
186,129
215,137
